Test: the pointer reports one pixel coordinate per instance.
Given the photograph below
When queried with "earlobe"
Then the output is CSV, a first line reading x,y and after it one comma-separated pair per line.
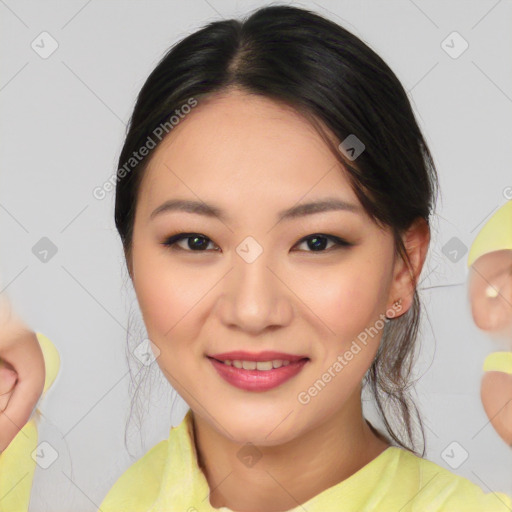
x,y
395,310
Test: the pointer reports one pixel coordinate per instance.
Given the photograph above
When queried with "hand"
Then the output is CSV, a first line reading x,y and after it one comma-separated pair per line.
x,y
22,374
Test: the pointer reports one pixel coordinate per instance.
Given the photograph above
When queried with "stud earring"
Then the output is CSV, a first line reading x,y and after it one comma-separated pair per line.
x,y
395,305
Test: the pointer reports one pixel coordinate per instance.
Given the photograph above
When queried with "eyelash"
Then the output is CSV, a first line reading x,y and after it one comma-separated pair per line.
x,y
172,240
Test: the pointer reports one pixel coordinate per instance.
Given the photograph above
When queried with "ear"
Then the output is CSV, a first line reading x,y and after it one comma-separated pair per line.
x,y
490,291
416,241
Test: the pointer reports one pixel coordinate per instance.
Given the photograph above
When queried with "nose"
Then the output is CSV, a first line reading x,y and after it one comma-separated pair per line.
x,y
255,297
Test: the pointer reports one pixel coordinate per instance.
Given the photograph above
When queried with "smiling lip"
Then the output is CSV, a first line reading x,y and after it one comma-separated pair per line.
x,y
257,380
268,355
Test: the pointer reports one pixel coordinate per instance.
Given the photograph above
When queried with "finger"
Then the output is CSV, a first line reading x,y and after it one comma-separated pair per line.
x,y
8,378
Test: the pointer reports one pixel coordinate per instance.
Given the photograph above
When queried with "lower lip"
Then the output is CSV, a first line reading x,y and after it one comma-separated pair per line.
x,y
257,380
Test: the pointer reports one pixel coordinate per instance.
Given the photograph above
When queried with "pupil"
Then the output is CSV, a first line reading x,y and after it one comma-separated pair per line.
x,y
317,242
202,242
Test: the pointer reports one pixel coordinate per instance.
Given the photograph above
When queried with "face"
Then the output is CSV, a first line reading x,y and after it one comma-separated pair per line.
x,y
313,285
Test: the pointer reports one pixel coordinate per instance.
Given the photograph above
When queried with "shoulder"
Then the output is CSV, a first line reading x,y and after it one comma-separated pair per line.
x,y
435,488
138,486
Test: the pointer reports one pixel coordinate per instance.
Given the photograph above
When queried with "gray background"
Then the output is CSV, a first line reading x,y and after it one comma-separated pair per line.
x,y
62,125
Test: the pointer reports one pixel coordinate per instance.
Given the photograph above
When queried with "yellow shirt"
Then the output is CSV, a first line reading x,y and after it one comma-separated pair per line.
x,y
168,478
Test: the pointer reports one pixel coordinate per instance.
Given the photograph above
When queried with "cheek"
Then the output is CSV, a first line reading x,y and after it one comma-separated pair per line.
x,y
352,298
168,300
165,295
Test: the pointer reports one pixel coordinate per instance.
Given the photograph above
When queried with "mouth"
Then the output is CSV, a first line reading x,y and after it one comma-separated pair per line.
x,y
259,365
268,356
261,375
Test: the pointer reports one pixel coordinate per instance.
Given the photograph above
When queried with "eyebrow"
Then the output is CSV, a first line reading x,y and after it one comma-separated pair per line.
x,y
210,210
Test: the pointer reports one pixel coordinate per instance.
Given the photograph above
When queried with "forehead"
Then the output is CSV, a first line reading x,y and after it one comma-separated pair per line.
x,y
243,149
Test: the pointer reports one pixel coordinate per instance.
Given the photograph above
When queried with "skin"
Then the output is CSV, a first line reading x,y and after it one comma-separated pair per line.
x,y
494,315
496,396
253,158
22,373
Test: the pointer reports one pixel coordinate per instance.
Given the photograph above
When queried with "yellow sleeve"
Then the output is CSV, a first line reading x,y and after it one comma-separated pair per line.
x,y
440,490
17,470
464,495
498,361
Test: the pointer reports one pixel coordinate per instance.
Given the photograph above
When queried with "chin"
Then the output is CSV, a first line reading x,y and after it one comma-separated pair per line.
x,y
260,427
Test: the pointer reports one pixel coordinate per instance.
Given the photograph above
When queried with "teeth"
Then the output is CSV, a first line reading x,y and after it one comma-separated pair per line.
x,y
258,365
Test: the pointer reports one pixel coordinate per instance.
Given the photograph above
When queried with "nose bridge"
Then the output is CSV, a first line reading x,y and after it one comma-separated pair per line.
x,y
255,296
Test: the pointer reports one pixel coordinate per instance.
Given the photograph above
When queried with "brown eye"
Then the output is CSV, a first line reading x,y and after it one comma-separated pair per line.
x,y
318,242
195,242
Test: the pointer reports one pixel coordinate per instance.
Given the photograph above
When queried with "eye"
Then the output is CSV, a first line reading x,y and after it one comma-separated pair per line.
x,y
196,242
318,242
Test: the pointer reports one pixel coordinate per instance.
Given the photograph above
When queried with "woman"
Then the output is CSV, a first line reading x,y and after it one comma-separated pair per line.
x,y
273,200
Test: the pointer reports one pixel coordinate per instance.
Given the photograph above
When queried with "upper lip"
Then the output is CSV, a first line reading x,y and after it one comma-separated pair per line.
x,y
267,355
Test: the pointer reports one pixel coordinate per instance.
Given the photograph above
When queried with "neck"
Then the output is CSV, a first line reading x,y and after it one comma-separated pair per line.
x,y
289,474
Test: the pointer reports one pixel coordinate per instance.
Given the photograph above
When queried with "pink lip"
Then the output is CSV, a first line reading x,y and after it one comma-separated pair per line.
x,y
256,380
268,355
